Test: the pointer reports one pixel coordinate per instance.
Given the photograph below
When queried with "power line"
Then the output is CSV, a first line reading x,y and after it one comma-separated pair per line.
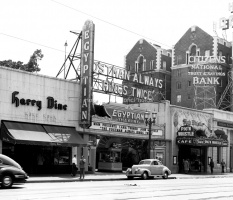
x,y
31,42
110,23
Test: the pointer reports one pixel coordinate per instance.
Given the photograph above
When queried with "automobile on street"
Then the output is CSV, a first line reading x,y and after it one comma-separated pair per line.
x,y
11,172
148,168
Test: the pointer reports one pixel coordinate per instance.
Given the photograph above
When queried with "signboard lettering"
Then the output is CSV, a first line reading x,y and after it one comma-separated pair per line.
x,y
51,102
125,129
87,60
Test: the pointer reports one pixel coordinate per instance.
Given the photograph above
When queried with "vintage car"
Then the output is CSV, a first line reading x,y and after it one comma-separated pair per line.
x,y
148,168
10,172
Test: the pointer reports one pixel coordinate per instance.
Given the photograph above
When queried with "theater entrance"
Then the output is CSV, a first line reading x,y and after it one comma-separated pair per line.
x,y
196,157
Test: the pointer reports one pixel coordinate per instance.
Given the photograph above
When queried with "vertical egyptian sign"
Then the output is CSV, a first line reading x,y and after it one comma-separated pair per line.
x,y
87,61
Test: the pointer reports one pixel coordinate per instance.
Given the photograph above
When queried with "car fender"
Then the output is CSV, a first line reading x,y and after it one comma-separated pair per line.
x,y
166,170
142,170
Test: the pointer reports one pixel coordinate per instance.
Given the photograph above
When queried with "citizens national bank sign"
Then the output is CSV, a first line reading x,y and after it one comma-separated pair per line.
x,y
87,60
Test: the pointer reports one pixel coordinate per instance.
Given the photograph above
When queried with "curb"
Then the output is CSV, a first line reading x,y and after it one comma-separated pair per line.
x,y
117,179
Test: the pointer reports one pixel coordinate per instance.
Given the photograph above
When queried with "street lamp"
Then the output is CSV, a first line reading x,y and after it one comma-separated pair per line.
x,y
149,121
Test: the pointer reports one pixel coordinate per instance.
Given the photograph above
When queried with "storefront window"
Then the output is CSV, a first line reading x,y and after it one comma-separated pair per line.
x,y
110,156
61,156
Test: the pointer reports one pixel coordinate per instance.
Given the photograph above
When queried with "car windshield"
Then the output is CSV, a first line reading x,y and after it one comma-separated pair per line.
x,y
144,162
8,161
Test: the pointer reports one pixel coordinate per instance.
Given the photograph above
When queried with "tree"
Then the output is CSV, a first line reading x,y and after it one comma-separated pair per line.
x,y
31,66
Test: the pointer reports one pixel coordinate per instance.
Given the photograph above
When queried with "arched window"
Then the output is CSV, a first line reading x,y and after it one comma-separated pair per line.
x,y
140,64
193,51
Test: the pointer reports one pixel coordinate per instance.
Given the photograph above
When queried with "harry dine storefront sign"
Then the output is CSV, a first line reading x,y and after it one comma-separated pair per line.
x,y
51,102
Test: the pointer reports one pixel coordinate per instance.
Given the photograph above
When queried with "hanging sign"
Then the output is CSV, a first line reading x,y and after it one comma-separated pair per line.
x,y
87,60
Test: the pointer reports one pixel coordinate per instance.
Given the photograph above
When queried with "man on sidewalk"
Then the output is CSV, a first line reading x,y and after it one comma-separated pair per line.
x,y
82,167
223,165
211,165
74,166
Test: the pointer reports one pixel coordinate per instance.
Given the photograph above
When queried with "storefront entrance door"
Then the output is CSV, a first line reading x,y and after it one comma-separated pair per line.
x,y
196,157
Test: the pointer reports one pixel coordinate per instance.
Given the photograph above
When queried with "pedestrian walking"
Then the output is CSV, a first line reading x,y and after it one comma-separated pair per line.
x,y
211,165
186,166
223,165
74,166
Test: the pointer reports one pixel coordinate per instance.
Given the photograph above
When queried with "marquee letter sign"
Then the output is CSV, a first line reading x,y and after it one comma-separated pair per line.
x,y
87,61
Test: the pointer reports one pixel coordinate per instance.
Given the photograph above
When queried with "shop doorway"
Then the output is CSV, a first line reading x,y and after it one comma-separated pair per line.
x,y
196,157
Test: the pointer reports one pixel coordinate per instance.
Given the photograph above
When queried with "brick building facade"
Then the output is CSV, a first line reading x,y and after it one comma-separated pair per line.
x,y
191,92
149,59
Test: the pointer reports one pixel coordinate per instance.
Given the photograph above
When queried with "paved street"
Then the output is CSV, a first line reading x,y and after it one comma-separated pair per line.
x,y
195,189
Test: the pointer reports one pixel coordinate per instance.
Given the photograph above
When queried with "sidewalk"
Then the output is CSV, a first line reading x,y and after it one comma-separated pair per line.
x,y
105,176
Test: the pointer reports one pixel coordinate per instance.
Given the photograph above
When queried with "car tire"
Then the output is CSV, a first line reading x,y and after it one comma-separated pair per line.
x,y
7,181
144,175
165,175
130,177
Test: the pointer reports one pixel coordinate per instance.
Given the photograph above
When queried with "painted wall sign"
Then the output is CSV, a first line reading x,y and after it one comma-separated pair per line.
x,y
51,102
206,70
87,60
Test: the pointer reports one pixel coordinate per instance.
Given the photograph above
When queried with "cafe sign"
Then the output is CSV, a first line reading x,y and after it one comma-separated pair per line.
x,y
201,142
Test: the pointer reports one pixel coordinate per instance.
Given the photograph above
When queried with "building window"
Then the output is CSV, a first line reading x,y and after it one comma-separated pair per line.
x,y
151,64
220,83
189,97
189,83
178,85
140,63
220,53
136,66
178,98
178,72
144,65
179,59
207,52
227,59
164,64
193,51
187,58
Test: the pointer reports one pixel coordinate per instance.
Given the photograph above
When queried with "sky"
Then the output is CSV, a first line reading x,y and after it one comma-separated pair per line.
x,y
27,25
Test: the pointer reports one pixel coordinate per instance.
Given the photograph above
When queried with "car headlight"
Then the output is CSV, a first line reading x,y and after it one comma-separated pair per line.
x,y
129,170
138,169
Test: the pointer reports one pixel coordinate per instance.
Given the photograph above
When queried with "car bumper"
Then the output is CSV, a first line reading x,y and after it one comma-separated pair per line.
x,y
20,178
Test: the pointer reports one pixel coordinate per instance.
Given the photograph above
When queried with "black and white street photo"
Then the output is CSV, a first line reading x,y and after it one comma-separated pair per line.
x,y
116,100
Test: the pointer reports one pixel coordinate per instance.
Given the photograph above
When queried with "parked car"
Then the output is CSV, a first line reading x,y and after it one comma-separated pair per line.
x,y
148,168
11,172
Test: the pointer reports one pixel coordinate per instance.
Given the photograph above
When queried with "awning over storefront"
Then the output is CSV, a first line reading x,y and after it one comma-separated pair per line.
x,y
38,134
